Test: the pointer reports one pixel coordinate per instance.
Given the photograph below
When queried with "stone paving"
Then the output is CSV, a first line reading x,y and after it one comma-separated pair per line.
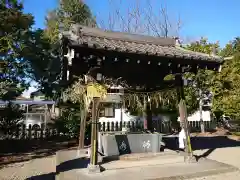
x,y
169,167
45,168
33,168
226,176
230,155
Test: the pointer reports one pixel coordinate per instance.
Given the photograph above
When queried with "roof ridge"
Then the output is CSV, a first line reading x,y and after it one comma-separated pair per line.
x,y
129,41
121,36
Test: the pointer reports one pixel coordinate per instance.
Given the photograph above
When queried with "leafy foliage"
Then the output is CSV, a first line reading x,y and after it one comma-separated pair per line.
x,y
82,92
225,85
44,60
227,51
10,117
44,57
67,13
226,88
203,78
203,46
232,48
14,35
68,123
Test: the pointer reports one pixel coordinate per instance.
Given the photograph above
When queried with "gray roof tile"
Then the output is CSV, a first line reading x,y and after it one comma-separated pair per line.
x,y
140,44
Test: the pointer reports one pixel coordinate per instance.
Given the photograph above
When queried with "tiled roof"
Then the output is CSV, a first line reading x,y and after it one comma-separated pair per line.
x,y
132,43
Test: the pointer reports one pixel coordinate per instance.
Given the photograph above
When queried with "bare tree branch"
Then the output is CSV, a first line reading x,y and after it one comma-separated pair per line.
x,y
141,18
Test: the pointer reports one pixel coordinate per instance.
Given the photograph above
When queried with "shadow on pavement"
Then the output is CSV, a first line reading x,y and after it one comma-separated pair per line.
x,y
77,163
199,143
50,176
204,155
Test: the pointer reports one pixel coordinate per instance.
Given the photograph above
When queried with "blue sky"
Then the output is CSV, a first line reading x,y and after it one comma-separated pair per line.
x,y
218,20
215,19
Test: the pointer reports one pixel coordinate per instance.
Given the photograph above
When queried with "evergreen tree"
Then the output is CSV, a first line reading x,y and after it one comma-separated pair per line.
x,y
14,36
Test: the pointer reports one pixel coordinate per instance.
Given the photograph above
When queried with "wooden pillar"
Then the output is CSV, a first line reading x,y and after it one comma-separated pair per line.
x,y
179,85
183,115
94,133
145,122
45,116
122,109
149,117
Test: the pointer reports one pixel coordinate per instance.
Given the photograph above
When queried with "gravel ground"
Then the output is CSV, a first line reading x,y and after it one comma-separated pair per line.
x,y
44,168
24,170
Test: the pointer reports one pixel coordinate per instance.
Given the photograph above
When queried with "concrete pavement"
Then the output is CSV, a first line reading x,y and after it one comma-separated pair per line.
x,y
161,167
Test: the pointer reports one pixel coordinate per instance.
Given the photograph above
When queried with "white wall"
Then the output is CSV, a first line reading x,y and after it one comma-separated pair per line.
x,y
32,122
125,117
206,115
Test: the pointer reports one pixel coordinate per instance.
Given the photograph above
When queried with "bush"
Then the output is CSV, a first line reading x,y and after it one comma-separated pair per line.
x,y
69,123
10,118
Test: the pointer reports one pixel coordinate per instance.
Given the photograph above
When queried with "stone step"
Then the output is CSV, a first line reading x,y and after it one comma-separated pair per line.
x,y
158,160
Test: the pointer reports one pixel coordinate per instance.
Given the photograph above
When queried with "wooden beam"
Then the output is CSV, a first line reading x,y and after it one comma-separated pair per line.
x,y
154,59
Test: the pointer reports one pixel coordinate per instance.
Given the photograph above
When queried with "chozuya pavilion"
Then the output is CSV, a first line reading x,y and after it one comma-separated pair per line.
x,y
140,61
